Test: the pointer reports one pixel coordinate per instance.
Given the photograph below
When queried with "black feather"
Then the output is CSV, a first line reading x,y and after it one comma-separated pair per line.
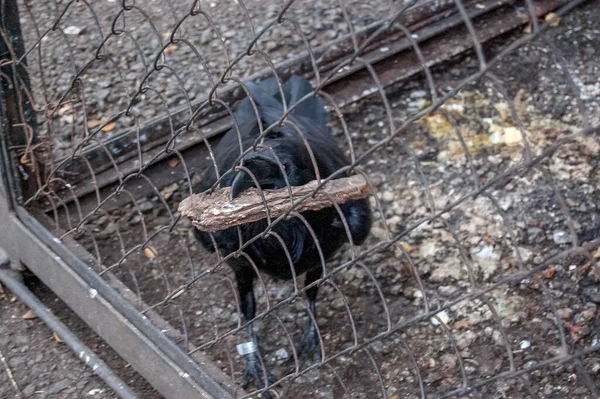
x,y
289,147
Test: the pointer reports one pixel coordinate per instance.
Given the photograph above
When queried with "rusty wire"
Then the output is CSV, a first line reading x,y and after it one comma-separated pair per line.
x,y
102,204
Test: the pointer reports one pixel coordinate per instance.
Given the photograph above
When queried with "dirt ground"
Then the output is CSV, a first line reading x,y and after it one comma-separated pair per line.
x,y
515,227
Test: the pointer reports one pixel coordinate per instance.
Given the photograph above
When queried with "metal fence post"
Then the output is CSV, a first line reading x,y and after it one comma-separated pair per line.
x,y
19,123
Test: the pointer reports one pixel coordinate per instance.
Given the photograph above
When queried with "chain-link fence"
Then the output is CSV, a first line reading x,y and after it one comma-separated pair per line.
x,y
475,123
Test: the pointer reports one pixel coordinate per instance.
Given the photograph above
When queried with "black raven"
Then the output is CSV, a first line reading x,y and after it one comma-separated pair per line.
x,y
284,150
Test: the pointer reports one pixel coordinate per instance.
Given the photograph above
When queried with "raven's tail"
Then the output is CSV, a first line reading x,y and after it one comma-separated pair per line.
x,y
267,97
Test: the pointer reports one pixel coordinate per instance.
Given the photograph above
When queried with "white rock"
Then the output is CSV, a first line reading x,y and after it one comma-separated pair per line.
x,y
442,316
428,249
561,237
487,252
281,354
72,30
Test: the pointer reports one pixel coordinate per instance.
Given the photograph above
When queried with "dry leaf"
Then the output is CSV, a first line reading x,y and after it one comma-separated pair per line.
x,y
169,190
407,247
150,253
573,329
463,324
64,109
552,19
438,125
549,272
508,135
69,118
29,315
173,162
111,126
172,48
57,337
157,274
92,123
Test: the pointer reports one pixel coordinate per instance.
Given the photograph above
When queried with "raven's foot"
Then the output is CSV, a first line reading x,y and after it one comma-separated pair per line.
x,y
257,374
308,349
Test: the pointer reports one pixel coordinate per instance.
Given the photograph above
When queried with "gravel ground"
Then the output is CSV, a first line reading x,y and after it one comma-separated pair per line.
x,y
472,247
107,85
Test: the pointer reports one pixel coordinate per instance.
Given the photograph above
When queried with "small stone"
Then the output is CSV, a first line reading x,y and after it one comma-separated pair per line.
x,y
526,254
497,338
466,339
4,260
387,196
441,316
206,36
561,237
427,249
16,362
588,314
447,290
146,206
418,94
58,386
324,393
331,34
29,390
72,30
378,233
449,361
525,344
533,233
447,270
396,289
487,252
281,354
337,304
565,313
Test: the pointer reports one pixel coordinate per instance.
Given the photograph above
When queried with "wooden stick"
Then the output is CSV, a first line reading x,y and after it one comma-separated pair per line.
x,y
213,212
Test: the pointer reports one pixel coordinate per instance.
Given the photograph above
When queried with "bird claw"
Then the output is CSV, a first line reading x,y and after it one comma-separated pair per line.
x,y
255,374
308,349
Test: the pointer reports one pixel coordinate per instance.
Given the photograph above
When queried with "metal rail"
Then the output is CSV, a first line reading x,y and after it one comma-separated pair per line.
x,y
84,353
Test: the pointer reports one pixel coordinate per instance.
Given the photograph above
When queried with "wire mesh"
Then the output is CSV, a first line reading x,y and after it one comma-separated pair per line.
x,y
480,274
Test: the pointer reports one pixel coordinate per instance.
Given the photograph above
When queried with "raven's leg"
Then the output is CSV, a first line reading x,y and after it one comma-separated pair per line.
x,y
255,370
309,347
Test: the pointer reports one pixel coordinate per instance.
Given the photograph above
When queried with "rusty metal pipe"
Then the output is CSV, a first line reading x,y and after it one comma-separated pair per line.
x,y
84,353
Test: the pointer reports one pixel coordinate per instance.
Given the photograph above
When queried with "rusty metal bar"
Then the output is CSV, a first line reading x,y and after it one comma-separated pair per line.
x,y
435,47
18,116
84,353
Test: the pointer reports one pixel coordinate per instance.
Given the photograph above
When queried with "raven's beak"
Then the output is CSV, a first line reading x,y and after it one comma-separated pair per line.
x,y
241,182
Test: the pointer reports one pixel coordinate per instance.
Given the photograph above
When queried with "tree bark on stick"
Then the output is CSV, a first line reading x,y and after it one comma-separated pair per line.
x,y
215,211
